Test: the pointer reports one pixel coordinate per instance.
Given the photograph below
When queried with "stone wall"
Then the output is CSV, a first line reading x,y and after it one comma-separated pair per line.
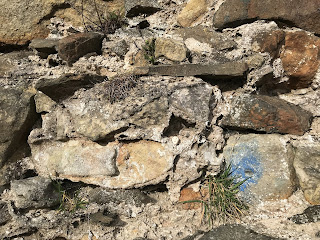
x,y
179,89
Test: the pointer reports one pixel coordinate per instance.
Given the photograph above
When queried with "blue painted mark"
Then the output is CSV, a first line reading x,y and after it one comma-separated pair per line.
x,y
246,163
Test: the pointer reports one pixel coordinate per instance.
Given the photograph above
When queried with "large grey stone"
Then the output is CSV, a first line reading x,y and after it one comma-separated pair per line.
x,y
35,192
266,161
17,116
307,167
232,232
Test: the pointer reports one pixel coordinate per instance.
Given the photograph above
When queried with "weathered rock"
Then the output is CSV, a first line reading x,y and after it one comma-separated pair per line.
x,y
43,103
65,86
44,47
17,116
233,231
301,14
300,58
74,159
191,12
268,114
73,47
171,49
30,21
137,7
124,109
270,42
226,70
120,47
35,192
309,215
145,162
4,213
307,165
218,41
131,196
266,162
7,59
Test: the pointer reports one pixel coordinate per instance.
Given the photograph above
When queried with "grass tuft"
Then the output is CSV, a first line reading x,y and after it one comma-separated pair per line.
x,y
149,49
68,203
219,198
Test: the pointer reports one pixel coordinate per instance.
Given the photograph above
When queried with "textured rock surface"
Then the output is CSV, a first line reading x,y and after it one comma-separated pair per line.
x,y
191,12
74,159
77,45
227,70
4,213
301,14
309,215
266,160
138,7
306,164
17,116
300,58
171,49
30,20
36,192
232,231
269,114
44,47
66,85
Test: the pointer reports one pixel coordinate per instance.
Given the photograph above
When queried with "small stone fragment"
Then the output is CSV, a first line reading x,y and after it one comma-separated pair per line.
x,y
309,215
171,49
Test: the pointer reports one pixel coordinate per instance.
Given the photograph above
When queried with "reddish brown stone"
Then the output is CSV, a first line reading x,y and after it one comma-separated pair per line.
x,y
77,45
300,58
188,194
270,42
268,114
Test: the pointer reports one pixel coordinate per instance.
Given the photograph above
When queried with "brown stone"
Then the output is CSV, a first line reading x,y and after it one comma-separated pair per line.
x,y
171,49
300,58
303,14
268,114
23,21
270,42
191,12
188,194
77,45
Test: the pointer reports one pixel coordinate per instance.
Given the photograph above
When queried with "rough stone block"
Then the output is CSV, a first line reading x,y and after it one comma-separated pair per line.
x,y
171,49
307,167
73,47
266,162
268,114
303,14
191,12
35,192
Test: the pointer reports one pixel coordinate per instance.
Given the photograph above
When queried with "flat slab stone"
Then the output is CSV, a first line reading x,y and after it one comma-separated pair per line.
x,y
228,69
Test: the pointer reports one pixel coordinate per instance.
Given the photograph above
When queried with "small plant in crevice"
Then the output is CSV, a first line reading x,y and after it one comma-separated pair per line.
x,y
118,88
68,203
95,19
219,198
149,49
